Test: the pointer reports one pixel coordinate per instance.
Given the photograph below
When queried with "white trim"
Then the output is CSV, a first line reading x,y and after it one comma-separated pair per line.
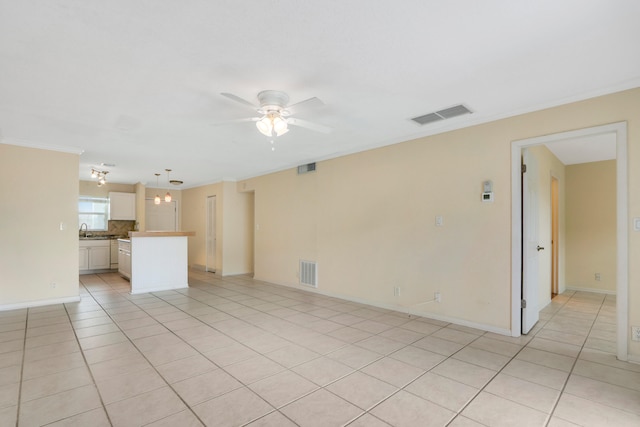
x,y
398,308
593,291
633,359
41,146
622,283
39,303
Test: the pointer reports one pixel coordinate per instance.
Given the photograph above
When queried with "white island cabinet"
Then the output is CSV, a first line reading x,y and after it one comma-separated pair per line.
x,y
159,260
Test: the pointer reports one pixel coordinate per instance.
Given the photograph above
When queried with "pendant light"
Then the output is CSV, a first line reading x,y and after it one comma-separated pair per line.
x,y
156,200
167,197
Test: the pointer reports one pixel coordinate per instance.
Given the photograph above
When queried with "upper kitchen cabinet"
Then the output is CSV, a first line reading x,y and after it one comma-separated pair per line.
x,y
122,206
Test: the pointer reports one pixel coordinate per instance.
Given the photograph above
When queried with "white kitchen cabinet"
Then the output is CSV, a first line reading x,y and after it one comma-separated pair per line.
x,y
84,258
122,206
94,255
114,254
124,258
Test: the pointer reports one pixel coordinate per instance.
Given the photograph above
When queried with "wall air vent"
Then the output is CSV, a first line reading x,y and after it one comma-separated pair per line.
x,y
309,273
309,167
447,113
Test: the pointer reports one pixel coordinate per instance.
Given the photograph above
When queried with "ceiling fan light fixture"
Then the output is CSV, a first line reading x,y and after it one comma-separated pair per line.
x,y
280,125
264,125
167,197
156,200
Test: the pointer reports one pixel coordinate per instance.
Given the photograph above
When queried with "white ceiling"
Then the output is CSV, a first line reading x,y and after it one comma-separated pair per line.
x,y
137,83
593,148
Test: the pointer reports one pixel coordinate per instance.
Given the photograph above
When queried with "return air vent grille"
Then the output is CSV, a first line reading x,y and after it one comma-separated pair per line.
x,y
446,113
309,273
309,167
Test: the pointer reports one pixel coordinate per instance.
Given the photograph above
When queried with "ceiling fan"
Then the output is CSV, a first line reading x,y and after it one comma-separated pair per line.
x,y
275,114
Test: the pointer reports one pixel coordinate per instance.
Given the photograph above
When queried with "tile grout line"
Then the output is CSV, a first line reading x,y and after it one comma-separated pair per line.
x,y
24,353
95,384
142,354
575,362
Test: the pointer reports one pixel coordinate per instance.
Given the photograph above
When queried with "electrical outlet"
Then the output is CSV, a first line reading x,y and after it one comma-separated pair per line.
x,y
597,277
396,291
437,297
53,285
635,333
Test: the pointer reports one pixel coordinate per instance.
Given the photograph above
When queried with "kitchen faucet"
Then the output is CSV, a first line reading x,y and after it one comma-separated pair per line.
x,y
85,228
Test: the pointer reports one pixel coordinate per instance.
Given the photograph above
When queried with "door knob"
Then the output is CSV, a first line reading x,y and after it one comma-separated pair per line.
x,y
540,248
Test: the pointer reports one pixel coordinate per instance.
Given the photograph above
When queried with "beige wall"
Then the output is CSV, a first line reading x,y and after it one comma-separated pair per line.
x,y
591,226
549,166
368,218
90,188
237,230
194,216
150,193
34,252
234,227
369,221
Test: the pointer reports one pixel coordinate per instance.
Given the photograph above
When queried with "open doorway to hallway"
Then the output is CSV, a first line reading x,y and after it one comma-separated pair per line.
x,y
618,132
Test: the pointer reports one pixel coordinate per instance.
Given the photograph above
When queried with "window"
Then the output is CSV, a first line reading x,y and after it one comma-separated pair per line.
x,y
93,211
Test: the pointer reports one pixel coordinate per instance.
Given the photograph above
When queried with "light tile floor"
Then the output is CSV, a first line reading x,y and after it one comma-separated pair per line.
x,y
236,351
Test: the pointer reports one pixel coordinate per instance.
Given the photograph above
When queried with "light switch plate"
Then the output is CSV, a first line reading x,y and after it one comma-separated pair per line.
x,y
636,224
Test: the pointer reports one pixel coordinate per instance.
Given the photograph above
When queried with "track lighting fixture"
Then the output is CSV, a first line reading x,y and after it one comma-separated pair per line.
x,y
100,175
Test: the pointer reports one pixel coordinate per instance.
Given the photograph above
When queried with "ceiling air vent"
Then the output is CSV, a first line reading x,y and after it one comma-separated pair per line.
x,y
446,113
309,167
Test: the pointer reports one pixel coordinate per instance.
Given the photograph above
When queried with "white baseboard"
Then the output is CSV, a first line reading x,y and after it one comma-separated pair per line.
x,y
399,308
39,303
595,291
633,359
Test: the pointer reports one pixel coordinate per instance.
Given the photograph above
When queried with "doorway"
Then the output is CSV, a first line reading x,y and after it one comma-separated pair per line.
x,y
211,234
619,130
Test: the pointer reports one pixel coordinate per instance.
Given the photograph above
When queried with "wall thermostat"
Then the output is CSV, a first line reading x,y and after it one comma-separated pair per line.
x,y
487,192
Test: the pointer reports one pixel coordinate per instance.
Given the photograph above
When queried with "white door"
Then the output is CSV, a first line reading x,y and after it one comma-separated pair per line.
x,y
211,234
530,248
162,217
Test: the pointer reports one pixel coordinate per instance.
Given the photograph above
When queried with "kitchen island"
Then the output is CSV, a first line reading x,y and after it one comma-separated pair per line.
x,y
158,260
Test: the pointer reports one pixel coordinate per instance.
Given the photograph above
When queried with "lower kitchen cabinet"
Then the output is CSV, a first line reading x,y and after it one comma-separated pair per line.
x,y
94,255
124,258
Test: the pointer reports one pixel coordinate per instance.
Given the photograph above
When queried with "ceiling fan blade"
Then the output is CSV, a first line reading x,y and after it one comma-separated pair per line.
x,y
227,122
304,105
240,100
309,125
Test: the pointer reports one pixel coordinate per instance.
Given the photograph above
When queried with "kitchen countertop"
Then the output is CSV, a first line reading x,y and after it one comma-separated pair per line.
x,y
161,233
108,237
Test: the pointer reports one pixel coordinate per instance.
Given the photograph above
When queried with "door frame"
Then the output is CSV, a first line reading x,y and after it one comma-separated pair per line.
x,y
209,214
555,234
622,261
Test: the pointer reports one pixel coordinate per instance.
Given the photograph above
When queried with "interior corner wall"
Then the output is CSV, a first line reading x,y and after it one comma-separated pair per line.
x,y
549,166
237,246
368,218
591,226
39,227
194,218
